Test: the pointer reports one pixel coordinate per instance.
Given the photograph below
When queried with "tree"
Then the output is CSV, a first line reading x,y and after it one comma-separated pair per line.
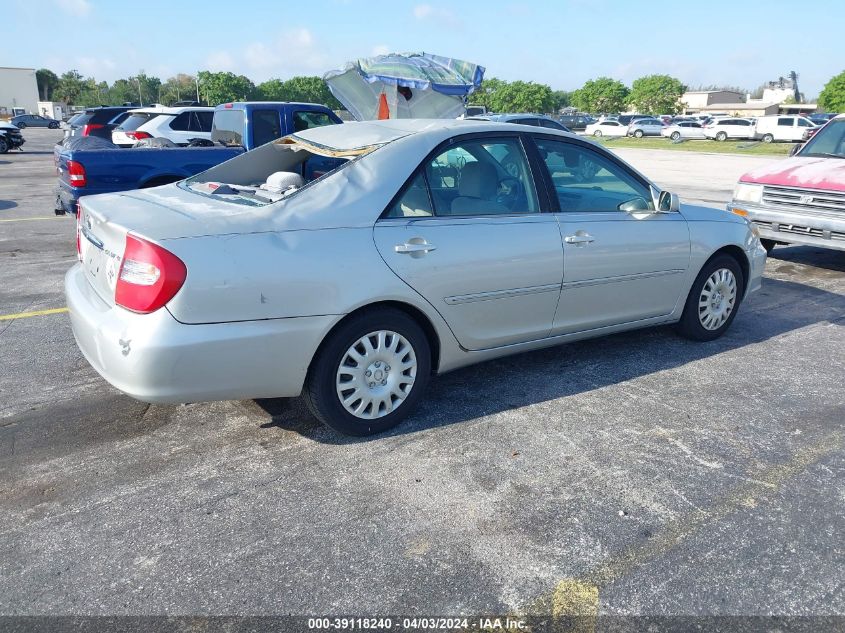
x,y
47,82
485,94
70,87
272,90
832,96
147,88
123,91
216,88
523,96
657,94
563,99
602,95
178,88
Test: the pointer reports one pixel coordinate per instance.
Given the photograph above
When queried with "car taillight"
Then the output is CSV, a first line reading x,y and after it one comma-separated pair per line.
x,y
138,135
88,127
79,231
149,276
76,174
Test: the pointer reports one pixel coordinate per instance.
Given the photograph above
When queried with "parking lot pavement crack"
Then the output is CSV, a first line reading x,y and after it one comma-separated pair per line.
x,y
760,485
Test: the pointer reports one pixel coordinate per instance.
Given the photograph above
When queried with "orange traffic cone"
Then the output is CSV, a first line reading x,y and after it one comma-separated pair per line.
x,y
383,110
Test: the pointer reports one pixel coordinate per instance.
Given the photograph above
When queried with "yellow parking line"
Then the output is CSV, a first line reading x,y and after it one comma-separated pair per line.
x,y
49,217
24,315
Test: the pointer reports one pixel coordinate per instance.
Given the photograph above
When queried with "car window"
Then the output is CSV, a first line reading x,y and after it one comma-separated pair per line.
x,y
120,118
586,181
554,125
481,177
785,120
804,123
201,121
304,120
414,201
743,122
228,127
136,120
266,126
181,122
828,140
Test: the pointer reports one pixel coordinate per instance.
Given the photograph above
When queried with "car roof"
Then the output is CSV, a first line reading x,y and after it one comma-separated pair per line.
x,y
360,134
166,110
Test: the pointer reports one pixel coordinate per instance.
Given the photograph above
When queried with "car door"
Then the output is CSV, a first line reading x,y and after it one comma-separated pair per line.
x,y
622,261
469,234
783,130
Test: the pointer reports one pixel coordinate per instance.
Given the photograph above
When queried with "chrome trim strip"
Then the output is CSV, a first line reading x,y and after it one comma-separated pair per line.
x,y
500,294
610,280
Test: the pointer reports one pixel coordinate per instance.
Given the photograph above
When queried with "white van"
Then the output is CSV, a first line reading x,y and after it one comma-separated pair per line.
x,y
782,128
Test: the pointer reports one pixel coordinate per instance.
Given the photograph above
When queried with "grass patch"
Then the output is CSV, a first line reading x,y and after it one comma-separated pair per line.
x,y
745,148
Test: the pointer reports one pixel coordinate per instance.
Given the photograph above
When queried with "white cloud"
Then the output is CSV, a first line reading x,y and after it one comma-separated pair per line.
x,y
381,49
219,61
293,52
444,17
76,8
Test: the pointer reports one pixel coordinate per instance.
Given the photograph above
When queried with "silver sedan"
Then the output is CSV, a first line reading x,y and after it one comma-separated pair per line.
x,y
683,129
431,245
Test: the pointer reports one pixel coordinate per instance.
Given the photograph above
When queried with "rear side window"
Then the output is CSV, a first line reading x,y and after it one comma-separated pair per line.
x,y
136,120
414,201
201,121
181,122
228,127
266,126
304,120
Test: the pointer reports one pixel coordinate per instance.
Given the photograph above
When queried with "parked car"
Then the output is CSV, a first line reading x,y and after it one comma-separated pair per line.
x,y
537,120
10,137
820,118
178,125
782,128
34,120
98,121
683,129
235,126
730,127
249,281
576,121
645,127
606,128
801,199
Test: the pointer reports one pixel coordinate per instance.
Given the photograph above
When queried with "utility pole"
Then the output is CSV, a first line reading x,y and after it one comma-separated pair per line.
x,y
197,81
140,98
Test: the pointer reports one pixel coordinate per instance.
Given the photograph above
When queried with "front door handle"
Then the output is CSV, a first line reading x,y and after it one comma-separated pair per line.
x,y
579,238
416,247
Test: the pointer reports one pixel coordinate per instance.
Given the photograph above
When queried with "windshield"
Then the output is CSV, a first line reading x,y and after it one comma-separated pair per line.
x,y
136,120
828,141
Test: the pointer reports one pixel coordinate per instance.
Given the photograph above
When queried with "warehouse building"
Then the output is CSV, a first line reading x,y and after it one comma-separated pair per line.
x,y
18,89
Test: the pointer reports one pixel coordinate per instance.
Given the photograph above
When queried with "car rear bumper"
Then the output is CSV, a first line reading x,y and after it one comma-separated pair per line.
x,y
155,358
792,227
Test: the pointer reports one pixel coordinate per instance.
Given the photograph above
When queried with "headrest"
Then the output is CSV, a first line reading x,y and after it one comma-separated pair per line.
x,y
478,180
281,180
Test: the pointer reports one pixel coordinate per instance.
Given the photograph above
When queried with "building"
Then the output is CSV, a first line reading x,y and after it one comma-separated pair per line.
x,y
741,108
695,100
18,89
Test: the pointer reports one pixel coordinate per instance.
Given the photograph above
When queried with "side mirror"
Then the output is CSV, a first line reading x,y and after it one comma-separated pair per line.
x,y
668,202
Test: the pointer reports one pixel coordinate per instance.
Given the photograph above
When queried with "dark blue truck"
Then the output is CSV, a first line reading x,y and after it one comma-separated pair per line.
x,y
237,127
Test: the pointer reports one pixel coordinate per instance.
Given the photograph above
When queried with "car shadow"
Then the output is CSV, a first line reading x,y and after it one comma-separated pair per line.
x,y
567,370
7,204
824,258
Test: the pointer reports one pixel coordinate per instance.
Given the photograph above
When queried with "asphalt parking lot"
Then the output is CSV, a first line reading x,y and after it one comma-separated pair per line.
x,y
636,474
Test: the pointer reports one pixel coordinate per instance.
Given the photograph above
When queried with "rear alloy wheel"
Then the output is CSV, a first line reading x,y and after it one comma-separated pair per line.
x,y
370,374
638,133
21,125
721,136
713,300
597,133
53,126
4,146
675,136
768,138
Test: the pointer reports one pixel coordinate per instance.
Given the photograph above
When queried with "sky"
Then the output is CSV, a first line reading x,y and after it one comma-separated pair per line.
x,y
561,43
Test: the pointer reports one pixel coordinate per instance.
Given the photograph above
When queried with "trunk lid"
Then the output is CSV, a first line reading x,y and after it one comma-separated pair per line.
x,y
101,246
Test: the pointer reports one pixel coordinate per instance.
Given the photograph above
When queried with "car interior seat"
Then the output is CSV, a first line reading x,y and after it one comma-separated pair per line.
x,y
477,191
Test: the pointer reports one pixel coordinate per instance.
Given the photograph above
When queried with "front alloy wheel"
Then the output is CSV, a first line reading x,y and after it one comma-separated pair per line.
x,y
370,372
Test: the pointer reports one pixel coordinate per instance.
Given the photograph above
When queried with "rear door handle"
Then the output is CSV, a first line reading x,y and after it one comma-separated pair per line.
x,y
415,247
584,238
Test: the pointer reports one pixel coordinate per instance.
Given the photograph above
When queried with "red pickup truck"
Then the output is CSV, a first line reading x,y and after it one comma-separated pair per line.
x,y
799,200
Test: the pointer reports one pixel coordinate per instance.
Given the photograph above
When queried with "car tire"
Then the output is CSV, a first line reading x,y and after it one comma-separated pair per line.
x,y
675,136
713,300
597,133
21,125
53,126
383,344
769,245
4,146
767,138
721,136
638,133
